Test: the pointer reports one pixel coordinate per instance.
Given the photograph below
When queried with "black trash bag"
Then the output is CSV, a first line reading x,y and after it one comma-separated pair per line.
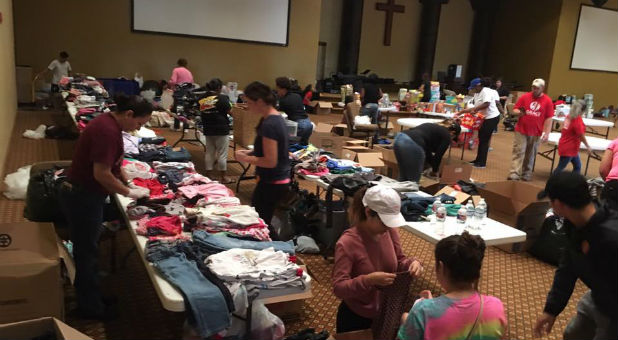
x,y
42,198
60,132
467,187
551,242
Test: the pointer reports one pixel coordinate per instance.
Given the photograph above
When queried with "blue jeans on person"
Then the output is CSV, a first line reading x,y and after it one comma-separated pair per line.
x,y
565,160
410,157
209,310
218,244
83,210
370,110
305,129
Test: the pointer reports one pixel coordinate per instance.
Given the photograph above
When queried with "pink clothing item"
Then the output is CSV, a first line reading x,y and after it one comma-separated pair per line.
x,y
357,255
210,191
613,173
164,225
180,75
179,237
193,179
321,172
258,231
222,202
157,190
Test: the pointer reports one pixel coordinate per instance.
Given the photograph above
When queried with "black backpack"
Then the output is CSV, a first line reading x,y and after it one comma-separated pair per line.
x,y
551,242
42,197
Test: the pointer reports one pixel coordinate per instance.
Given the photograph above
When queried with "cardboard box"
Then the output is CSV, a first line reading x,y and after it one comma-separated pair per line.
x,y
388,153
245,123
453,171
323,128
367,159
429,185
329,142
36,328
460,197
515,204
357,142
30,281
322,107
357,148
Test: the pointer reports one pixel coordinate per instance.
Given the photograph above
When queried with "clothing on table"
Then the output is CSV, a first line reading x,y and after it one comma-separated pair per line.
x,y
243,215
524,155
100,142
537,110
613,173
319,171
220,201
338,165
185,166
267,268
591,255
273,127
209,191
176,154
131,143
357,255
215,121
216,244
194,178
172,177
216,150
292,105
83,210
162,225
446,318
403,186
565,160
257,232
434,139
180,75
410,158
157,190
570,138
136,169
590,323
59,70
485,134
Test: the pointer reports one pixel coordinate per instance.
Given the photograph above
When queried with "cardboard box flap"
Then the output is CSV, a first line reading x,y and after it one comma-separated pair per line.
x,y
67,332
27,242
348,154
357,148
324,105
37,327
451,172
370,159
323,127
460,197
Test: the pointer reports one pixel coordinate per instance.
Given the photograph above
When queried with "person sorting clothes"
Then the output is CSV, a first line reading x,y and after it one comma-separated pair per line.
x,y
368,255
94,174
269,155
425,143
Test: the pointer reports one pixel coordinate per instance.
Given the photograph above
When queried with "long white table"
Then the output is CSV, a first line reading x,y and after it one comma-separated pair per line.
x,y
596,144
172,300
437,114
590,125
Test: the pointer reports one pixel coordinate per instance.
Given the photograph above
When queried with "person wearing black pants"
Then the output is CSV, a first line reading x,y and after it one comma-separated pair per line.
x,y
270,153
486,104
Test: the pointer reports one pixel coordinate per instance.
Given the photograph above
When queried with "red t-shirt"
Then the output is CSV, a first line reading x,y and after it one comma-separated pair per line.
x,y
569,140
537,111
100,142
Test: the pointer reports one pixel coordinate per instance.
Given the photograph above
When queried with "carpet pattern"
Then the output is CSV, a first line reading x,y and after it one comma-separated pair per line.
x,y
519,280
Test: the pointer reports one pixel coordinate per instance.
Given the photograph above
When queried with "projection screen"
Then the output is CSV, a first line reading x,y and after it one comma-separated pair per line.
x,y
259,21
596,40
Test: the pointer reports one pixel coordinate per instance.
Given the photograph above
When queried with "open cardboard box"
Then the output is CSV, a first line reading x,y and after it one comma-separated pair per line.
x,y
322,107
460,197
37,328
357,142
453,171
515,204
329,142
364,156
30,280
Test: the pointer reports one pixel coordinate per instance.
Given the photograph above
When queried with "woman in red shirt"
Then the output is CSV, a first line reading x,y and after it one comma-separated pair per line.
x,y
367,256
573,132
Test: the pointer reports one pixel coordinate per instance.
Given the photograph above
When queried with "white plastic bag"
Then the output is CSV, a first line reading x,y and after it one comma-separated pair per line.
x,y
362,120
17,183
39,133
264,324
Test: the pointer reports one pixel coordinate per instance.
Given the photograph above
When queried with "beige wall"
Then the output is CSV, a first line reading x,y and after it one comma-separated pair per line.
x,y
330,31
604,85
397,61
522,49
98,37
8,94
454,35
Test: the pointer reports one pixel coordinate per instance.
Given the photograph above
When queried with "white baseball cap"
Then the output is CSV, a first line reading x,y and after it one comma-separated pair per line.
x,y
538,82
387,203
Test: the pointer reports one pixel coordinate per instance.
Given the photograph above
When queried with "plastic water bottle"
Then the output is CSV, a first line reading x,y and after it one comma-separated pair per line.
x,y
484,205
436,204
440,218
462,215
479,216
470,214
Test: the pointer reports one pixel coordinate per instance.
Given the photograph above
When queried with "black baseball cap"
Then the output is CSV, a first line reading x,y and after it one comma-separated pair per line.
x,y
569,187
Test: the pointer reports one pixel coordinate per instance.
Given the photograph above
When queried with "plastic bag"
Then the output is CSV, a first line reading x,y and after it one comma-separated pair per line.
x,y
362,120
39,133
264,324
17,183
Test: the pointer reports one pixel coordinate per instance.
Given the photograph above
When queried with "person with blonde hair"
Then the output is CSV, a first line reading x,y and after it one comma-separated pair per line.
x,y
573,132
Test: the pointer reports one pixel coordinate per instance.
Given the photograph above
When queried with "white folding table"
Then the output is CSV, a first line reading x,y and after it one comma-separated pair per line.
x,y
590,125
596,144
172,300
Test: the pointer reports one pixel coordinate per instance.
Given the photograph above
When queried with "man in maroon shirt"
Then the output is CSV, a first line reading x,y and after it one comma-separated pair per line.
x,y
94,174
535,110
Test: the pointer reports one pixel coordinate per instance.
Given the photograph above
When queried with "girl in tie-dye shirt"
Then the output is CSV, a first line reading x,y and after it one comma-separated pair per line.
x,y
454,314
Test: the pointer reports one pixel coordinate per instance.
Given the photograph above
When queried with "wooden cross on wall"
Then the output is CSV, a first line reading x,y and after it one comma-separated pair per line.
x,y
389,7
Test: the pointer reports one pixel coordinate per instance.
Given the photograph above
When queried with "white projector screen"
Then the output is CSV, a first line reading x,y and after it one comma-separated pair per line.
x,y
596,40
260,21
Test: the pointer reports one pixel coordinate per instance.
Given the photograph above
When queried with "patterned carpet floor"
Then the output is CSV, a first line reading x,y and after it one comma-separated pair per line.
x,y
519,280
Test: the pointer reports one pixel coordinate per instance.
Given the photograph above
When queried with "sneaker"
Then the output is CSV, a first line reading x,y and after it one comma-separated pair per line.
x,y
478,166
513,178
526,179
472,162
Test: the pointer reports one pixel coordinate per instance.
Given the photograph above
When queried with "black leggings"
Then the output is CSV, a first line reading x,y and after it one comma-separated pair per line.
x,y
485,132
348,321
266,197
